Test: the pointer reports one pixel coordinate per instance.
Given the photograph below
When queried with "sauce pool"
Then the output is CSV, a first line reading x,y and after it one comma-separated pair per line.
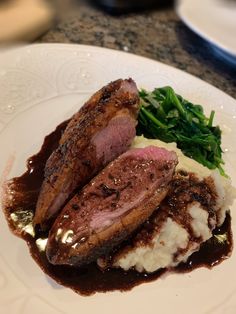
x,y
90,279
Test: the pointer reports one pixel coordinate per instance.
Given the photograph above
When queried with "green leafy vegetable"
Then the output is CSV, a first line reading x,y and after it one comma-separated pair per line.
x,y
170,118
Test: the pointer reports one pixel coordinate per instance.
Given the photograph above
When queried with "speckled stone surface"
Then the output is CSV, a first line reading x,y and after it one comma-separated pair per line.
x,y
158,34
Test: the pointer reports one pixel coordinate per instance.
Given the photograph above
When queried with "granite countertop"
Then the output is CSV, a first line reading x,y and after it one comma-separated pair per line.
x,y
158,34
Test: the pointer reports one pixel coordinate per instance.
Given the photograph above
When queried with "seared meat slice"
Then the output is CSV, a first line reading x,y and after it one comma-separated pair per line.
x,y
111,206
102,129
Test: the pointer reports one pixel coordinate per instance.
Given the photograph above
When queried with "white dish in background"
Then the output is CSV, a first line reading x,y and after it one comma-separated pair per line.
x,y
41,86
213,20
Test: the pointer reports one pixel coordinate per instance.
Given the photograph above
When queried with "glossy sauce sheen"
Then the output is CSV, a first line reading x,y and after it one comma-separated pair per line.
x,y
91,279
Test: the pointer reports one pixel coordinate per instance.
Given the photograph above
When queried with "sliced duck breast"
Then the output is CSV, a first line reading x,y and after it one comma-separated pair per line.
x,y
102,130
106,211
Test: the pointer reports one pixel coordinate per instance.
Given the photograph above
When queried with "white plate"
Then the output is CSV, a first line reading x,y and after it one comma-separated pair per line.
x,y
214,20
43,85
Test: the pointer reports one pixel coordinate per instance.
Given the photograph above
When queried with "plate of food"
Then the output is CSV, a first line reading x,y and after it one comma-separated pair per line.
x,y
117,185
214,21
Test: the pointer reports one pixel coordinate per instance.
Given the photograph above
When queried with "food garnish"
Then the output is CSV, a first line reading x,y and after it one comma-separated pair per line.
x,y
169,117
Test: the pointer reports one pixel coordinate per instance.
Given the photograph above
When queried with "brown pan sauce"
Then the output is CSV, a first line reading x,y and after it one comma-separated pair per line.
x,y
90,279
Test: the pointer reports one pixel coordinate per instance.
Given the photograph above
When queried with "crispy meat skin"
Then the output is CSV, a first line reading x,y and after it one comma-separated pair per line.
x,y
111,206
102,129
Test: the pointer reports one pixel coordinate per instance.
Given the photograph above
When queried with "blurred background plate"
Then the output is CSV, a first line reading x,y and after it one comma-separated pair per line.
x,y
213,20
24,20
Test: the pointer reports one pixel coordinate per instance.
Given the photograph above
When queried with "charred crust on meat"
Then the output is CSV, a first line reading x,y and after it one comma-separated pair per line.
x,y
54,179
183,173
129,184
105,95
110,176
106,191
86,162
152,176
75,206
82,213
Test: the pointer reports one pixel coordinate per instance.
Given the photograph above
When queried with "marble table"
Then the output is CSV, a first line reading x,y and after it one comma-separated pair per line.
x,y
158,34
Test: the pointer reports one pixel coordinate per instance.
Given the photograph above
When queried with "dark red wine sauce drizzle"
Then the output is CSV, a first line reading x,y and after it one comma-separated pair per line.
x,y
91,279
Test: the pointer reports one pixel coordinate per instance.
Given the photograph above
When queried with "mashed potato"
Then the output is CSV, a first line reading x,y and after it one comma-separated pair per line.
x,y
173,240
